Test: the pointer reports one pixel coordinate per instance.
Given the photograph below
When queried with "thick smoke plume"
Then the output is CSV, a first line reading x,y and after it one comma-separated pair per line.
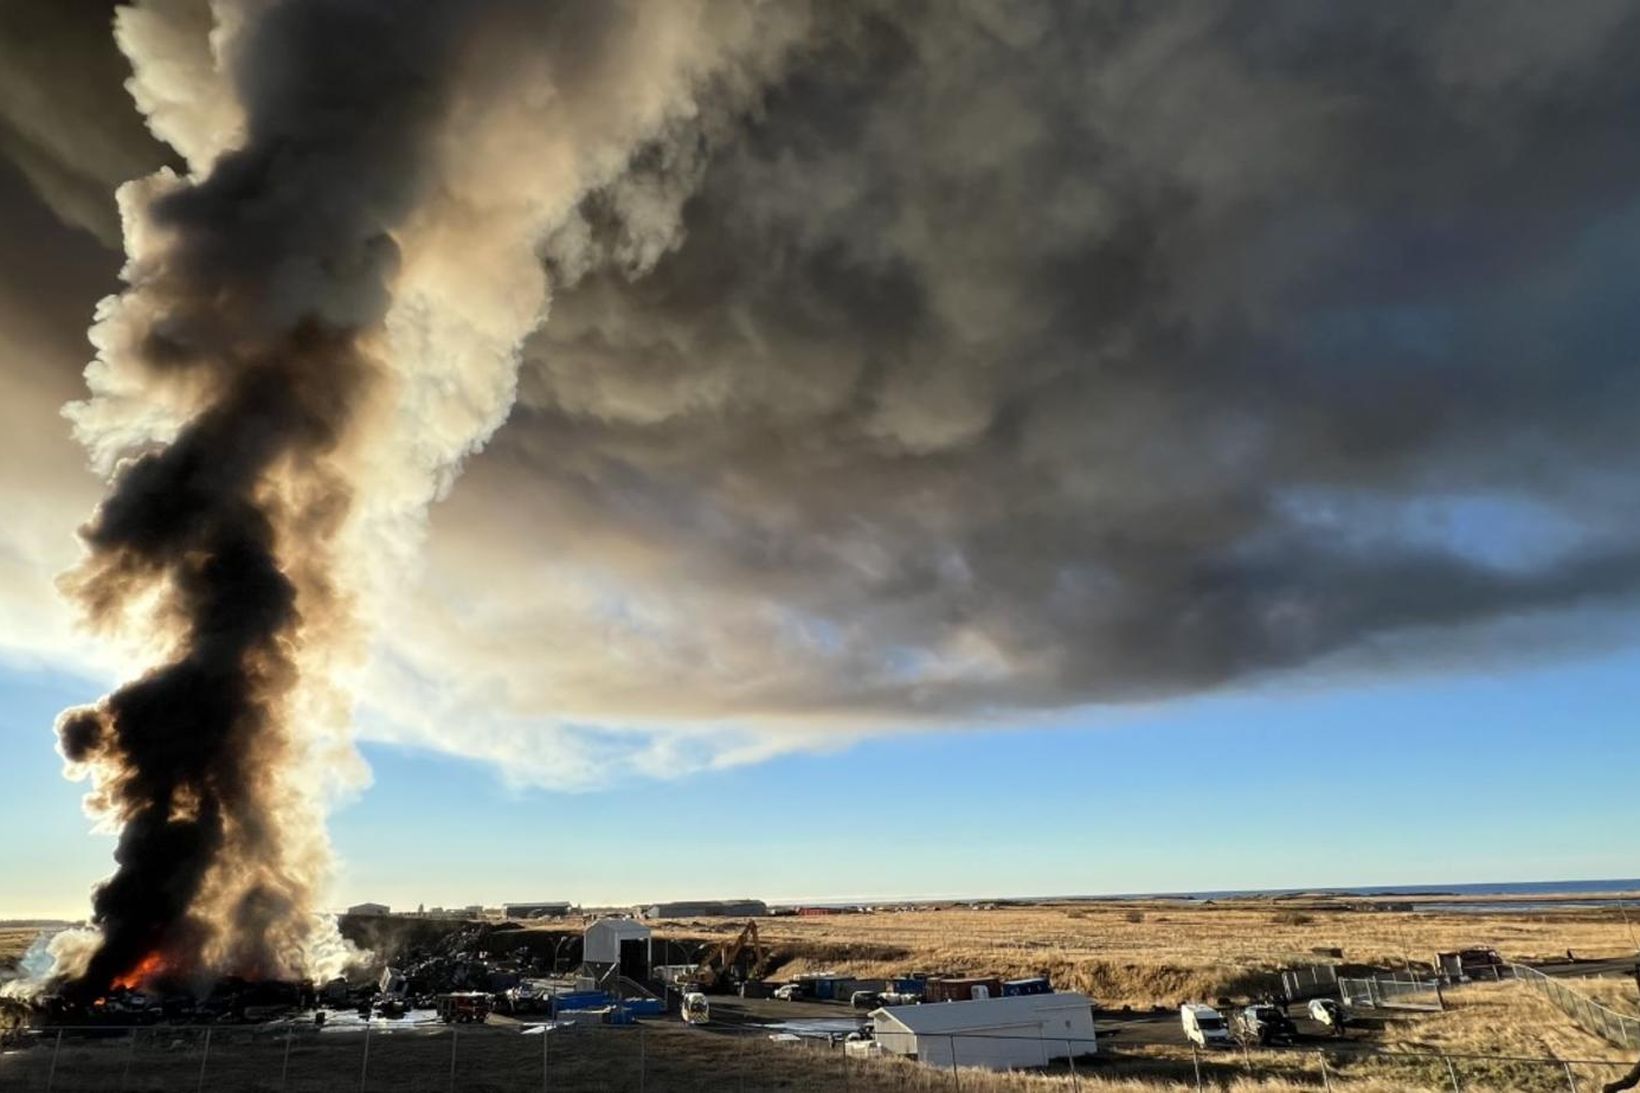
x,y
908,362
322,320
1020,356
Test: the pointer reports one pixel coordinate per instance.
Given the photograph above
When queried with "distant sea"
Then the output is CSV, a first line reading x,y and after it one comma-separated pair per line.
x,y
1517,894
1600,893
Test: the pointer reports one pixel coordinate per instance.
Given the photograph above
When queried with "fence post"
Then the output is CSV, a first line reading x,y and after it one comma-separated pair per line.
x,y
455,1037
643,1061
1326,1077
130,1057
1571,1079
51,1075
951,1045
1196,1060
1076,1083
284,1069
204,1058
546,1064
364,1063
1452,1070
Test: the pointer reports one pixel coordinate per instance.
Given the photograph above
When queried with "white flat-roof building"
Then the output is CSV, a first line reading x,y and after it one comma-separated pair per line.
x,y
999,1033
369,909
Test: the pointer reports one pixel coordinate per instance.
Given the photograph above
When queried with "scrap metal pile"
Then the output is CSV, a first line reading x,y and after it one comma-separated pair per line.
x,y
512,967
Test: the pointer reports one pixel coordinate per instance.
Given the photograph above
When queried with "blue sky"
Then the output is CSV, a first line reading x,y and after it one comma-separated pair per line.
x,y
1462,778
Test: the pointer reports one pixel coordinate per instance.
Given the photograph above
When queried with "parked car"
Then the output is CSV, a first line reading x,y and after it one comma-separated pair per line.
x,y
1204,1025
1265,1024
791,992
1328,1012
865,1000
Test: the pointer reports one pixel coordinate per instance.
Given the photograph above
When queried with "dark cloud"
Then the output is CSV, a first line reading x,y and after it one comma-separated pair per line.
x,y
1008,355
1035,354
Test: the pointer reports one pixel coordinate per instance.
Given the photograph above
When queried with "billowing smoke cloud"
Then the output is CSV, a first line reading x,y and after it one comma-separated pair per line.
x,y
322,320
914,362
1020,356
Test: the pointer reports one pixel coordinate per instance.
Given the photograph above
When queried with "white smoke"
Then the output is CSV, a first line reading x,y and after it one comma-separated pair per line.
x,y
53,954
547,103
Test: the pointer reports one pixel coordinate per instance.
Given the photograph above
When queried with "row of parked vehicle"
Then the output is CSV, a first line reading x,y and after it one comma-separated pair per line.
x,y
1262,1023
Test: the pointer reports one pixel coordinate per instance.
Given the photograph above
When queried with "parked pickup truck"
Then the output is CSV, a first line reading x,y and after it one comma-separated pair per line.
x,y
1265,1024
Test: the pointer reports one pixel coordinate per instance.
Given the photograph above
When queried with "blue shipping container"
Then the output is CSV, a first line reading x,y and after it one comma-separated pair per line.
x,y
1015,987
584,1000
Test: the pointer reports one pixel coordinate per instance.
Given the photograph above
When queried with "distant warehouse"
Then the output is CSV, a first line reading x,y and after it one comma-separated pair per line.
x,y
534,910
710,908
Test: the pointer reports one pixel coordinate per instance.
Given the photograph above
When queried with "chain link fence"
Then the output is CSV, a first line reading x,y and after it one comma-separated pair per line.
x,y
1400,994
1611,1026
1312,981
652,1058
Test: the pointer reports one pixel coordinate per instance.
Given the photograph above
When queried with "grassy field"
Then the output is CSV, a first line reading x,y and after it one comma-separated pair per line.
x,y
1619,995
1495,1019
14,941
1139,954
1160,953
676,1059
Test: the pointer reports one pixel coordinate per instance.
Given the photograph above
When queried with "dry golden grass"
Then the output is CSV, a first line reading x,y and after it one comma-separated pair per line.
x,y
1166,953
1505,1019
13,943
665,1058
1619,995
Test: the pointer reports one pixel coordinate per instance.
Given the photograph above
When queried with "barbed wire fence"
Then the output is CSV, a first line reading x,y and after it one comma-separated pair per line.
x,y
298,1058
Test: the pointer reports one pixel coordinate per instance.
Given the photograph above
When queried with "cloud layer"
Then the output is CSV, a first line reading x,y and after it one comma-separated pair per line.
x,y
972,359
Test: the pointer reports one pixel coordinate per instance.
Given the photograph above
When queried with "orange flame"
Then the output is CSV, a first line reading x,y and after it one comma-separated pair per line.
x,y
147,968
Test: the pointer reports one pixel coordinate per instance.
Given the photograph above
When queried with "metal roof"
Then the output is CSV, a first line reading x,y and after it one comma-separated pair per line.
x,y
946,1017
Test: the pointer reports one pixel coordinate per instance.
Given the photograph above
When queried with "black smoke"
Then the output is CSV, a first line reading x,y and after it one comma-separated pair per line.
x,y
276,269
1031,354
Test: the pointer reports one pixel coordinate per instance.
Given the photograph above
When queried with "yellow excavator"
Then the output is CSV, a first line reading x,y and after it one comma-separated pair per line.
x,y
721,964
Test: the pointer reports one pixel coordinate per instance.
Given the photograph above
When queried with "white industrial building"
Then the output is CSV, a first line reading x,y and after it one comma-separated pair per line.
x,y
999,1033
602,944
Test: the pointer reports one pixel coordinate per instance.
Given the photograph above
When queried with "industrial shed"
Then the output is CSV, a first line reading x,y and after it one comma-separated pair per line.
x,y
999,1033
606,938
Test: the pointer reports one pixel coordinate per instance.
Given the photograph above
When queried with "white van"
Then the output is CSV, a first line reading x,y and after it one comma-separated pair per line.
x,y
1204,1025
696,1010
